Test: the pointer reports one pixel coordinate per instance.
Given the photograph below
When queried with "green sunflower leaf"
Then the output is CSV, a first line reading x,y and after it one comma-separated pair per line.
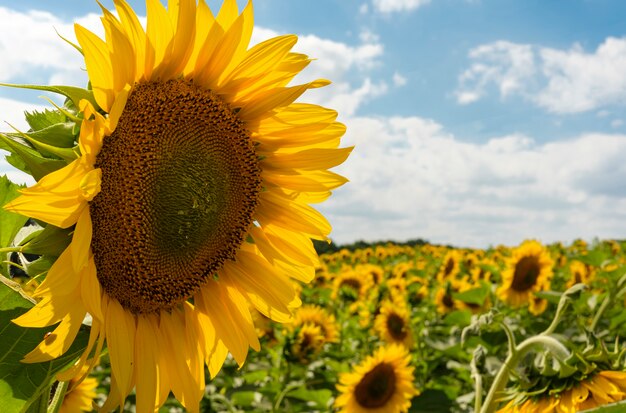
x,y
41,120
75,94
315,398
473,296
22,385
60,135
29,160
50,241
10,222
431,401
48,150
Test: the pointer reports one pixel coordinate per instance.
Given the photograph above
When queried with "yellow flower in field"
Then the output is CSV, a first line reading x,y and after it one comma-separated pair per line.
x,y
313,314
350,285
382,383
190,198
397,288
80,397
375,272
450,266
443,297
529,270
308,343
393,323
537,305
603,388
402,269
579,273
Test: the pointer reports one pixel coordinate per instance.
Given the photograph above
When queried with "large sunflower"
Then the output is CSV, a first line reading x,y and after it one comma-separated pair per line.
x,y
603,388
189,197
529,270
382,383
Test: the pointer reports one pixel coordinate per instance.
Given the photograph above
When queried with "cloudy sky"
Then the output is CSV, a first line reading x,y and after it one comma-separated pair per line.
x,y
476,122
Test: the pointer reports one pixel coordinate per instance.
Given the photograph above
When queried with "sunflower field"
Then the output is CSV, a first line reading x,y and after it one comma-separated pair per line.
x,y
164,258
407,328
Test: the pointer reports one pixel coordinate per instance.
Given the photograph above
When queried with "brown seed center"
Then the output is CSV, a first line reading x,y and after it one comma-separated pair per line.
x,y
526,272
396,327
180,184
376,387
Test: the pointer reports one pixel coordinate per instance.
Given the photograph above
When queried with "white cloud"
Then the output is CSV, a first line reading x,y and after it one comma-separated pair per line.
x,y
399,80
616,123
561,81
390,6
410,178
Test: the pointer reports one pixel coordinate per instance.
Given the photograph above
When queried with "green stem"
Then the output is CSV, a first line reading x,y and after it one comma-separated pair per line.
x,y
282,395
553,345
224,400
12,249
59,395
478,387
596,318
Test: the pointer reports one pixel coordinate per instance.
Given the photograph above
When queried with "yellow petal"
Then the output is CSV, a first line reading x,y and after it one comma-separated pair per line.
x,y
269,291
307,160
228,13
260,59
264,103
183,18
77,368
146,367
215,351
175,345
273,210
60,339
208,75
295,245
120,335
61,279
217,305
90,290
196,346
81,241
121,51
204,24
159,37
135,33
99,66
56,198
313,181
247,25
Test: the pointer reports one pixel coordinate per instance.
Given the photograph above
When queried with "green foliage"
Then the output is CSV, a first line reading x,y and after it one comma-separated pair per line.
x,y
10,222
25,386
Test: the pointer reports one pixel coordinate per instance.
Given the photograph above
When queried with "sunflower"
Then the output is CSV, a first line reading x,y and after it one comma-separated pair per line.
x,y
350,285
529,270
382,383
605,387
579,274
188,198
307,343
313,314
450,266
393,323
80,396
444,299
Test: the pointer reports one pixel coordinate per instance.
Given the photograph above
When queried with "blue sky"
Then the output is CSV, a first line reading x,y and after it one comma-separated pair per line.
x,y
476,122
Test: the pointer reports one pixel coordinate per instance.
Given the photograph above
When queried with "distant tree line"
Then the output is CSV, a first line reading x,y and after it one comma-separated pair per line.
x,y
323,247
